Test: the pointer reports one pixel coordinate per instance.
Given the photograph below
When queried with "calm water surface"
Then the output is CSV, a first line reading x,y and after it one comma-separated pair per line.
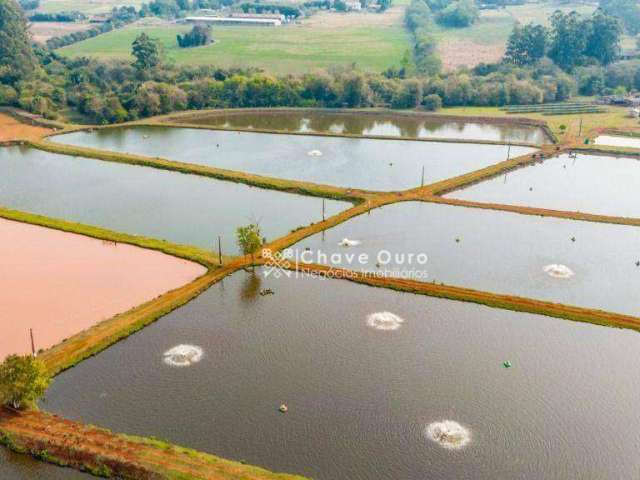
x,y
587,183
345,162
146,201
380,124
23,467
360,399
499,252
611,140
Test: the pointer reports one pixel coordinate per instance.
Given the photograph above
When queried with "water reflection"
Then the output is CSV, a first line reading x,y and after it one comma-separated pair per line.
x,y
369,124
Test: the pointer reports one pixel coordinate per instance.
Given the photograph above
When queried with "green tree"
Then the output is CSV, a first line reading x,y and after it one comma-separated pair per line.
x,y
603,42
23,381
249,239
409,95
459,14
356,91
432,102
17,60
628,11
198,36
146,51
568,39
526,45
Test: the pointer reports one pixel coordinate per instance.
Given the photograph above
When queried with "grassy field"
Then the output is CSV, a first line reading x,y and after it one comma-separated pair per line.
x,y
593,124
85,6
374,42
485,41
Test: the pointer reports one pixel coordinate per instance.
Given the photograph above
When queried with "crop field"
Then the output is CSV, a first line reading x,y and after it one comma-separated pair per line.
x,y
43,31
485,41
374,42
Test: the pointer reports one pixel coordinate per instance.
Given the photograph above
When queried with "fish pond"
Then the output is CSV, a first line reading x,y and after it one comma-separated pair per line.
x,y
617,141
578,263
58,283
378,385
383,165
180,208
599,184
361,123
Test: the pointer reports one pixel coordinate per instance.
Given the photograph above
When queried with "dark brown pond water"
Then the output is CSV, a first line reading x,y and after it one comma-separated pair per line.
x,y
586,183
386,124
383,165
23,467
360,399
494,251
181,208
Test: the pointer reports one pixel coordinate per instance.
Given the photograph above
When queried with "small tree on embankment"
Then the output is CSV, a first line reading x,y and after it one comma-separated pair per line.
x,y
23,381
249,239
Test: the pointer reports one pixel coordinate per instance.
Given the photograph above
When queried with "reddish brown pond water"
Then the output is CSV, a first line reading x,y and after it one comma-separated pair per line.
x,y
60,283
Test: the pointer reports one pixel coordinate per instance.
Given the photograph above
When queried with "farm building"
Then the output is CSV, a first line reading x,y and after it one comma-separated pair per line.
x,y
236,20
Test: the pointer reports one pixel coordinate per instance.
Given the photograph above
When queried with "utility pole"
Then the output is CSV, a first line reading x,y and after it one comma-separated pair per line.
x,y
33,344
323,208
422,179
509,152
580,130
219,250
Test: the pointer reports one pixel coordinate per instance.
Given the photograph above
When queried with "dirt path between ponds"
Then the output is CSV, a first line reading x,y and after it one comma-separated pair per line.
x,y
12,129
102,452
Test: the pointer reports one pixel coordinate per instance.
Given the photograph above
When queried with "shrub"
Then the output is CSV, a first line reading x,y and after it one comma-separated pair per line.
x,y
432,102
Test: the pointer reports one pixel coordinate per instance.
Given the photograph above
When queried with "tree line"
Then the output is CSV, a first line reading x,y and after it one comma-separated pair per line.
x,y
571,41
43,82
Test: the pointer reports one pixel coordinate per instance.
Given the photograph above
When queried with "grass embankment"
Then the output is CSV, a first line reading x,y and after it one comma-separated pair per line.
x,y
507,302
303,188
103,453
196,254
374,42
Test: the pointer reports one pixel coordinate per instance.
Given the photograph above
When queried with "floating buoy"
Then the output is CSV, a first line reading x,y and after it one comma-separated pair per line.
x,y
349,243
283,408
506,364
573,239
